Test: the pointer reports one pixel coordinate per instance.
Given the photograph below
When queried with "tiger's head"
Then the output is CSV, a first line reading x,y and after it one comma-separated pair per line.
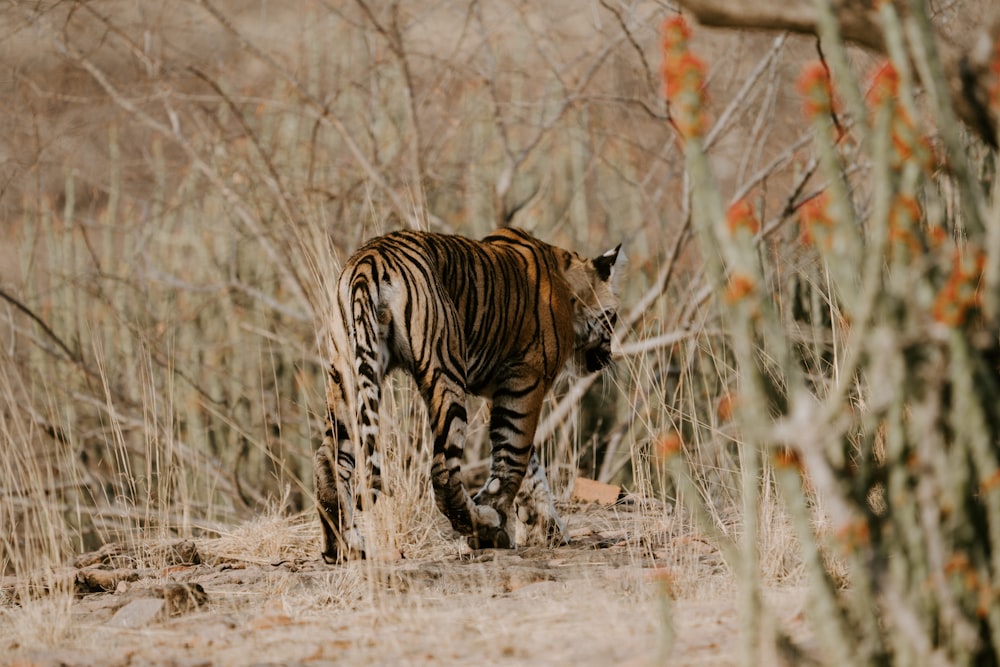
x,y
595,308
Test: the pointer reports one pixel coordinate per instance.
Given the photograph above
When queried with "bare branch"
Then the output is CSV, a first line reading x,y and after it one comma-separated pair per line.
x,y
17,303
966,64
402,210
393,35
859,19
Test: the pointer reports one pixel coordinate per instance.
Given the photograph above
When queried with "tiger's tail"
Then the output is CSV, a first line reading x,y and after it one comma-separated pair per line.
x,y
353,395
369,361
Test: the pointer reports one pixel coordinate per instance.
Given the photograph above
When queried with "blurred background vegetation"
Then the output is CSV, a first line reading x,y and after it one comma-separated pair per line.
x,y
180,181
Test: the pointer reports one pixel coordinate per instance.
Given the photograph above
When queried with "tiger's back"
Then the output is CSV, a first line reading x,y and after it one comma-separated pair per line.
x,y
498,318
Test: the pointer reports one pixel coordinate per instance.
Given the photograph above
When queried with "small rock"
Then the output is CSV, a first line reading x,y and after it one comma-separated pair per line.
x,y
182,598
95,579
519,579
181,552
137,613
102,556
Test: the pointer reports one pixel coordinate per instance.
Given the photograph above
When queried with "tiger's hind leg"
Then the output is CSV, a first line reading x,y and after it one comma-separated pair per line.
x,y
536,508
445,400
438,367
334,469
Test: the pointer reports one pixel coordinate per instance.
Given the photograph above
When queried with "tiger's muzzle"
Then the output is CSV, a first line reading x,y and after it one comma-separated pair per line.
x,y
596,350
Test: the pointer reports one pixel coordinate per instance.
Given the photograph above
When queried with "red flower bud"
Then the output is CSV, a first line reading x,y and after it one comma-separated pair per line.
x,y
814,85
741,216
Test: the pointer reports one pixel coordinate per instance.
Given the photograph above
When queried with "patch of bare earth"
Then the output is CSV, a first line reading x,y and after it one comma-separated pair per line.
x,y
596,601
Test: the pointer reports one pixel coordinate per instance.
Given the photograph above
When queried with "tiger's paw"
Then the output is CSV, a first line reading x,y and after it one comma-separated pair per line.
x,y
487,537
351,546
539,518
491,530
366,499
542,523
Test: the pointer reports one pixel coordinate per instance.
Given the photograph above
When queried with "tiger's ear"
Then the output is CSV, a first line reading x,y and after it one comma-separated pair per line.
x,y
605,264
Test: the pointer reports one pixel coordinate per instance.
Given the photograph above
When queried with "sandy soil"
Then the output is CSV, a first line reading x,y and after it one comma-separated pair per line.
x,y
598,601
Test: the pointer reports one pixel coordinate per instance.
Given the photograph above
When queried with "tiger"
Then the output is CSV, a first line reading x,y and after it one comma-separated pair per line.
x,y
499,318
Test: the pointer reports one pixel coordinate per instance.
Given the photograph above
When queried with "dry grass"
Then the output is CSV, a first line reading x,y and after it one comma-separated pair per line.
x,y
194,178
271,602
180,184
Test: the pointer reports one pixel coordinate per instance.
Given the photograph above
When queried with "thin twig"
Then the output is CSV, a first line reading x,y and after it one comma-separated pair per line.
x,y
17,303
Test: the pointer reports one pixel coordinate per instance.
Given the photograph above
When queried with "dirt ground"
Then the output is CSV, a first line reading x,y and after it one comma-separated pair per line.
x,y
599,600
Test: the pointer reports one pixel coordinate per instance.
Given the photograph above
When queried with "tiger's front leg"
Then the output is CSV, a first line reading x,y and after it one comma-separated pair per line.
x,y
536,508
513,419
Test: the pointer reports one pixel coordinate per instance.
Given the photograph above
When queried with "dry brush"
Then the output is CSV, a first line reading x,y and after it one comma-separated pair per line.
x,y
867,395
